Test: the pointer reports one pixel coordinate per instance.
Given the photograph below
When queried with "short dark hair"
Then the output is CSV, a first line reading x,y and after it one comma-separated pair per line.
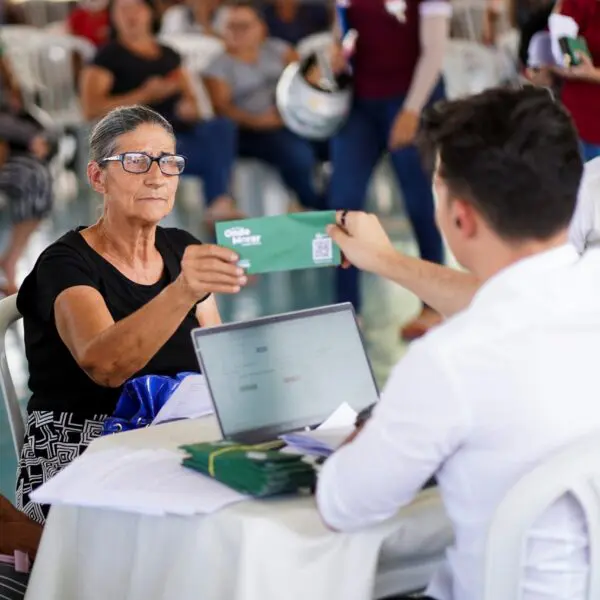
x,y
106,133
514,154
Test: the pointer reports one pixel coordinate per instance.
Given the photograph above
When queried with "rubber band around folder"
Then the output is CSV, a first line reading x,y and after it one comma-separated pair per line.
x,y
213,455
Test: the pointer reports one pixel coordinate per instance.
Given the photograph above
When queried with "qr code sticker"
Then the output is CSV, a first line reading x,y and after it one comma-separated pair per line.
x,y
322,249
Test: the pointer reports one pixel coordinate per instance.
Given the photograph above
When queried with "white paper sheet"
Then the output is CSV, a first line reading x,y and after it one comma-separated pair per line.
x,y
561,26
190,400
151,482
326,438
343,416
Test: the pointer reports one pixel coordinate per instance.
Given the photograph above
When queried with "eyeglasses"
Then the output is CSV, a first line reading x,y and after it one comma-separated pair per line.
x,y
140,162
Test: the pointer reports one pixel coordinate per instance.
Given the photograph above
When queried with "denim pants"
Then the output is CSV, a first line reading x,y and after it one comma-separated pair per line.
x,y
293,157
590,151
355,151
210,149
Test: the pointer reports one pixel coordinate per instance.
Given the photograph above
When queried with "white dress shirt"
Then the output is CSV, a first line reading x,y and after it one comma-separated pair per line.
x,y
585,226
478,402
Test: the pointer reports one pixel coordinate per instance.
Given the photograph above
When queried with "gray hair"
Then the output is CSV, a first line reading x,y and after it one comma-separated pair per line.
x,y
105,135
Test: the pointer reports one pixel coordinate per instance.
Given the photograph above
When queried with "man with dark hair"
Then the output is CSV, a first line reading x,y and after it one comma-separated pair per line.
x,y
507,381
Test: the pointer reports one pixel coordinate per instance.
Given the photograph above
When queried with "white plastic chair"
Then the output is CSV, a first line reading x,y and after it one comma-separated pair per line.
x,y
197,52
8,315
470,68
575,471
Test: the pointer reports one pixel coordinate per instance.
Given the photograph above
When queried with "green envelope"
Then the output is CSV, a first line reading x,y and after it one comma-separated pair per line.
x,y
281,243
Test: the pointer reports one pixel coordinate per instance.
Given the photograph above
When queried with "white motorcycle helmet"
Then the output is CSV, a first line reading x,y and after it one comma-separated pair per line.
x,y
313,110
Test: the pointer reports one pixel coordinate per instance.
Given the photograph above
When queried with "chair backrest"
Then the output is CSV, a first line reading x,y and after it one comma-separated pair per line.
x,y
470,68
8,315
197,50
574,470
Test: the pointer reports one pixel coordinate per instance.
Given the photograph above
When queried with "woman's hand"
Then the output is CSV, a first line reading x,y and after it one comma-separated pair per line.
x,y
584,71
187,110
156,89
404,130
271,119
208,269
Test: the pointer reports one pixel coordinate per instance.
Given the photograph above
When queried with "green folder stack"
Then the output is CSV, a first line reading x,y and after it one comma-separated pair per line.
x,y
259,470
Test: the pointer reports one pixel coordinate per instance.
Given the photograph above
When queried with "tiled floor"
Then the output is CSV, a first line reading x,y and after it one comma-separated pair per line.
x,y
386,305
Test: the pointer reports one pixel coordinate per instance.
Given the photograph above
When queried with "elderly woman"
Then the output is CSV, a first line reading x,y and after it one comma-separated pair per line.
x,y
115,300
135,69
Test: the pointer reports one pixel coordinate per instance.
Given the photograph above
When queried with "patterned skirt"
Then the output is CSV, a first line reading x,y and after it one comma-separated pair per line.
x,y
52,441
28,185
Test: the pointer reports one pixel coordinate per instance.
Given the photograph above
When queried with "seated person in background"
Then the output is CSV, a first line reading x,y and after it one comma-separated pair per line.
x,y
19,535
115,300
486,396
89,20
25,179
135,69
242,86
192,16
292,21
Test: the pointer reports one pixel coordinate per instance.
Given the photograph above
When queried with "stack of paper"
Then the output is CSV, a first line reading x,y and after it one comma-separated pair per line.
x,y
326,438
141,481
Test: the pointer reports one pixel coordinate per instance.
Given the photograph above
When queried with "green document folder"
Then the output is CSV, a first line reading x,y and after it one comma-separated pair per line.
x,y
259,470
281,243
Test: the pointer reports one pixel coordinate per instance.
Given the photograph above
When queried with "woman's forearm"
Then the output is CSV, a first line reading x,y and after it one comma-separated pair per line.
x,y
242,117
434,37
123,348
95,107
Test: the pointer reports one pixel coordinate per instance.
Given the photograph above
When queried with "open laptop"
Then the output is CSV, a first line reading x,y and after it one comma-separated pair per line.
x,y
274,375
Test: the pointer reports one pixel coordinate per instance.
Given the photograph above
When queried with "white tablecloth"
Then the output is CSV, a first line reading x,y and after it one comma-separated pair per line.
x,y
255,550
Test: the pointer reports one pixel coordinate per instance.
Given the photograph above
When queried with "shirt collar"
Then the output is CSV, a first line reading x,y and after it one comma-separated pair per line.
x,y
520,274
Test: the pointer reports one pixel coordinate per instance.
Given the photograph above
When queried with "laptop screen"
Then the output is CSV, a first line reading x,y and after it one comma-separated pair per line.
x,y
276,374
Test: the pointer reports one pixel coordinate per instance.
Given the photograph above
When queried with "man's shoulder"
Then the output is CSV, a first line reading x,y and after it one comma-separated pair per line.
x,y
465,332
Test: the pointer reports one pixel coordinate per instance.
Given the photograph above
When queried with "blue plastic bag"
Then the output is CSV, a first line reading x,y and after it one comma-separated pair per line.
x,y
141,400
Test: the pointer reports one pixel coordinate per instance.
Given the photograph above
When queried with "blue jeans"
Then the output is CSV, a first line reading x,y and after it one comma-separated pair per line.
x,y
293,157
590,151
355,151
210,149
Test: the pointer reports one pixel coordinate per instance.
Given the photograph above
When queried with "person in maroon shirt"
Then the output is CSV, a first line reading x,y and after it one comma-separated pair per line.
x,y
581,88
396,63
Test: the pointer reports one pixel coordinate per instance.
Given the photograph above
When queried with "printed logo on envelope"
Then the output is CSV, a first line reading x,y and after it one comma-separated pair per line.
x,y
242,236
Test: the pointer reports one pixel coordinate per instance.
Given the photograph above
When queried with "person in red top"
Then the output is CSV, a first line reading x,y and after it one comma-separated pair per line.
x,y
397,63
581,89
90,20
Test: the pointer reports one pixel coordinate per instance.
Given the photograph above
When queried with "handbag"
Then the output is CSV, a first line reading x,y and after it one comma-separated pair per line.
x,y
140,401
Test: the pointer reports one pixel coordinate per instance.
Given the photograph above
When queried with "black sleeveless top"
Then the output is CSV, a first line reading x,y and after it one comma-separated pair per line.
x,y
55,379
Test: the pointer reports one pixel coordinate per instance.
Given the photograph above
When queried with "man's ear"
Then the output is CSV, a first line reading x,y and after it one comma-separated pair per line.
x,y
464,217
96,176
